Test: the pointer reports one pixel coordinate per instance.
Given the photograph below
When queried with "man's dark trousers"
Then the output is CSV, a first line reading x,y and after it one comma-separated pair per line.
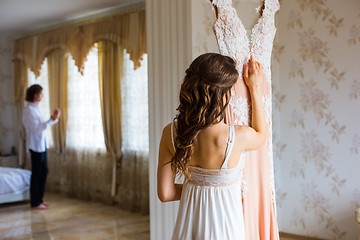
x,y
38,177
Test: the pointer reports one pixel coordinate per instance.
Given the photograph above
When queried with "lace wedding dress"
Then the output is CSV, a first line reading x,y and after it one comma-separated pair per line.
x,y
258,191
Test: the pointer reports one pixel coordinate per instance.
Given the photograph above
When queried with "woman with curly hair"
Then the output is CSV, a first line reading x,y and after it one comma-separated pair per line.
x,y
207,152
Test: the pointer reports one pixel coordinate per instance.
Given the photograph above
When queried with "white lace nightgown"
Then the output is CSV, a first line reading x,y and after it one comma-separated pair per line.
x,y
210,205
258,182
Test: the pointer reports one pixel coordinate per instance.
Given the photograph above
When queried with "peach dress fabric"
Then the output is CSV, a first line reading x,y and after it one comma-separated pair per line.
x,y
258,191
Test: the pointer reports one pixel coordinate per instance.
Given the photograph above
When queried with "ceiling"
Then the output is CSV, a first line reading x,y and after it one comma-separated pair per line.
x,y
19,17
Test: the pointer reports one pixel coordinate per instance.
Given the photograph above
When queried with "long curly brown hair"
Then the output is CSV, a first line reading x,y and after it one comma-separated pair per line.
x,y
204,95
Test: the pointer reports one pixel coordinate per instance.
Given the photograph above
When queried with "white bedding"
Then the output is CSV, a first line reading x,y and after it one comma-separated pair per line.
x,y
13,181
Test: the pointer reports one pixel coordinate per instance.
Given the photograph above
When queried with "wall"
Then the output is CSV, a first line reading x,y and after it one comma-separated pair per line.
x,y
318,50
316,103
7,107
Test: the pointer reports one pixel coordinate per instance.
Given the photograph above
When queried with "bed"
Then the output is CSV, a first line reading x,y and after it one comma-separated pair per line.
x,y
14,184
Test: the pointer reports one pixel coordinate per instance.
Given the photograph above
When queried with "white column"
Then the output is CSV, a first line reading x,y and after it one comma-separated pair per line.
x,y
169,54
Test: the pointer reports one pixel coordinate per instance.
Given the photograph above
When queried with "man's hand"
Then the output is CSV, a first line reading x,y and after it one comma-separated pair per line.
x,y
56,114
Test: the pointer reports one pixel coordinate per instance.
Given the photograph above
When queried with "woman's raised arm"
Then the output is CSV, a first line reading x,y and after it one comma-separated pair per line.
x,y
253,137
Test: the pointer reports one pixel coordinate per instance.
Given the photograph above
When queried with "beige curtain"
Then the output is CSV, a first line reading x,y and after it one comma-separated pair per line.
x,y
21,81
133,189
83,175
22,136
129,31
57,74
129,167
110,75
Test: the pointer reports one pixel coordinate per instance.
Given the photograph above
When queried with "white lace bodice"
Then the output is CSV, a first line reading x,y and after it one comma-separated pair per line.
x,y
236,43
217,177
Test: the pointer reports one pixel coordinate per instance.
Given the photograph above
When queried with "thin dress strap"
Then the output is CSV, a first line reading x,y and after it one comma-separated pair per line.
x,y
172,135
229,147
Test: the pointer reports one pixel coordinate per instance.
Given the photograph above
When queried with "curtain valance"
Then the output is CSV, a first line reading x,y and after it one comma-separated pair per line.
x,y
128,31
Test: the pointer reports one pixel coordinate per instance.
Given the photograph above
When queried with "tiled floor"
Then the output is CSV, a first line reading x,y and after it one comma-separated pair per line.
x,y
71,219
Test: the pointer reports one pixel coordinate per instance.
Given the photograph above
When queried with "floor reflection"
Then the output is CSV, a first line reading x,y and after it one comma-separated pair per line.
x,y
39,226
71,219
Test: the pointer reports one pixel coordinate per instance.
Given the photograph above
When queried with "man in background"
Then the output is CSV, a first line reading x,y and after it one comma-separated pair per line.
x,y
36,144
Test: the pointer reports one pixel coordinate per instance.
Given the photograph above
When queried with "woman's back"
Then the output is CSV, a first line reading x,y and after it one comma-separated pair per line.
x,y
210,147
210,204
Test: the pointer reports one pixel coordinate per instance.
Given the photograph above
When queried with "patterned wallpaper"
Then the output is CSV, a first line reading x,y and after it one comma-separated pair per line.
x,y
7,108
318,52
316,110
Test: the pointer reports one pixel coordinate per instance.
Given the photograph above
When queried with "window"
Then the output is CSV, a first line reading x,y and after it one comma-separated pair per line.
x,y
84,128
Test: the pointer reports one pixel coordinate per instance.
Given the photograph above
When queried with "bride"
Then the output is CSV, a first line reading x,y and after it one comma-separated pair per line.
x,y
199,146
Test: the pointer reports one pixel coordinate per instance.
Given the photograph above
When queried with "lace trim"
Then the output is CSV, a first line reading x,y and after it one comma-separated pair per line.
x,y
233,41
244,186
267,104
212,172
218,177
241,108
212,184
229,24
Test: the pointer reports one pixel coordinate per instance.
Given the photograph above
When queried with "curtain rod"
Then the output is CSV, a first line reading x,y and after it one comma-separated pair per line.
x,y
81,21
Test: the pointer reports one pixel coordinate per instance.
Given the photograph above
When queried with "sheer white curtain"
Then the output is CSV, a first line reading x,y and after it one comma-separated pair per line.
x,y
134,184
85,130
135,112
44,105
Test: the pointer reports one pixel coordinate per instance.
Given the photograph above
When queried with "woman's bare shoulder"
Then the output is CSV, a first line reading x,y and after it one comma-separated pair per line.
x,y
166,137
167,128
